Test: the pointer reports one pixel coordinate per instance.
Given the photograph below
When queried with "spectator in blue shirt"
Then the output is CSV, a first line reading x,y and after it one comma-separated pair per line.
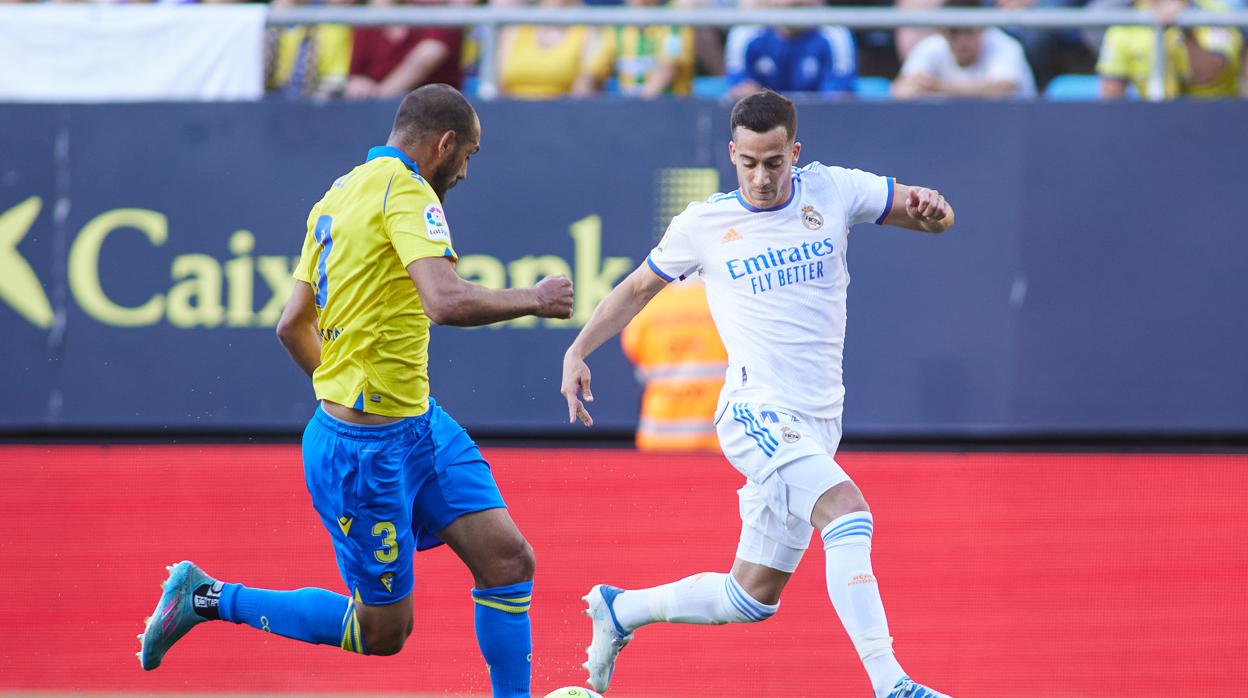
x,y
818,60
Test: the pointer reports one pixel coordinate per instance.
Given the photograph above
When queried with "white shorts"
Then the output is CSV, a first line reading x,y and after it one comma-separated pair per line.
x,y
787,460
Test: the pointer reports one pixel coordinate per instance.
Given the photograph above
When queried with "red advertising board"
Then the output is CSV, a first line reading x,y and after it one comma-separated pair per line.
x,y
1003,574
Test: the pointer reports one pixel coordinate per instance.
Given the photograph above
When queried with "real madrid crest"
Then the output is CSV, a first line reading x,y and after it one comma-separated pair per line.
x,y
811,218
792,435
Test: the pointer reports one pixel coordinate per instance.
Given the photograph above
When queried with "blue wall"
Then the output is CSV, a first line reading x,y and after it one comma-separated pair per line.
x,y
1095,282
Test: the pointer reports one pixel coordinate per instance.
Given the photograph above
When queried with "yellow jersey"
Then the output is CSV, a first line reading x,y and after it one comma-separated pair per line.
x,y
531,70
372,223
1127,54
637,50
317,56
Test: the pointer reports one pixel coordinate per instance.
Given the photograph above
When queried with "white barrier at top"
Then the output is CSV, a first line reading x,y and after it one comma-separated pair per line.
x,y
94,53
110,53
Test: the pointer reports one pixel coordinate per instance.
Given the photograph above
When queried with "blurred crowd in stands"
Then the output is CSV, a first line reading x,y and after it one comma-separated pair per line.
x,y
542,62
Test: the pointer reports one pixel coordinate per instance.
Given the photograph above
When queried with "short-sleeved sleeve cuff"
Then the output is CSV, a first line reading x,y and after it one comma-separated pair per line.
x,y
412,247
659,272
889,197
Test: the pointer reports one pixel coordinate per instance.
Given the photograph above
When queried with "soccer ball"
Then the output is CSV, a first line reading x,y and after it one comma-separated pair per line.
x,y
573,692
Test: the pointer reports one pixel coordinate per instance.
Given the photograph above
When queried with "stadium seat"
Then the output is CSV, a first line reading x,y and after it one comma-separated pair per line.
x,y
716,86
709,87
1073,88
872,89
1080,88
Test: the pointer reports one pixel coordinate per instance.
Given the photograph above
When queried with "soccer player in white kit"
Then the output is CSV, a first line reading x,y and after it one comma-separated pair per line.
x,y
772,255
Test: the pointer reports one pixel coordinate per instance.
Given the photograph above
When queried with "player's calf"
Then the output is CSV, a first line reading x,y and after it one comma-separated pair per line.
x,y
502,566
383,629
501,600
855,595
709,598
503,633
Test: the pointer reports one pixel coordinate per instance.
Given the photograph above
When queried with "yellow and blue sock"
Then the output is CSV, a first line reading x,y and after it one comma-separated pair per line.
x,y
505,638
311,615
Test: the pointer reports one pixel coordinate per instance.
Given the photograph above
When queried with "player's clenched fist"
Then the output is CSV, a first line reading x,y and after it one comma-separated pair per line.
x,y
554,297
929,208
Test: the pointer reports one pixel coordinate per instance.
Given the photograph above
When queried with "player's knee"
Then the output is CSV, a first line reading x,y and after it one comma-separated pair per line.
x,y
848,498
842,499
769,597
386,629
527,563
521,563
765,590
513,563
384,642
753,602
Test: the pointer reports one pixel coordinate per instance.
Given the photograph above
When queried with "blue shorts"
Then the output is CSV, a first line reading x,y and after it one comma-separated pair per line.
x,y
385,492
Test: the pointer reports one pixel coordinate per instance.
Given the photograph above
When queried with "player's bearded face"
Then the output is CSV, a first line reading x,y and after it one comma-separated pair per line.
x,y
446,174
763,162
454,167
444,177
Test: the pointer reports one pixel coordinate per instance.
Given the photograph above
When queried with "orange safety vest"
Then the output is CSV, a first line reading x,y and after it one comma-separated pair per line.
x,y
680,358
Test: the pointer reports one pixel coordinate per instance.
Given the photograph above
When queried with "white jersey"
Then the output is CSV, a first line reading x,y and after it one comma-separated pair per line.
x,y
776,280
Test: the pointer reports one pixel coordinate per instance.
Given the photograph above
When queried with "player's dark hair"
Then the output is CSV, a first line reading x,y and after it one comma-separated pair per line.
x,y
763,111
965,4
433,109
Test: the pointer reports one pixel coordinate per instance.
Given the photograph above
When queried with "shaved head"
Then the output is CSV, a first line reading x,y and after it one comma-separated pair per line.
x,y
434,110
439,129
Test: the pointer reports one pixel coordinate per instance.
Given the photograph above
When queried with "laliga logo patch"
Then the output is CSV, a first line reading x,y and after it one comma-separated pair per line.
x,y
388,580
811,218
790,435
435,224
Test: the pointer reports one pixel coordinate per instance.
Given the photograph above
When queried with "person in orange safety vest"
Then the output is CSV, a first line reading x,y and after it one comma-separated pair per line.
x,y
679,357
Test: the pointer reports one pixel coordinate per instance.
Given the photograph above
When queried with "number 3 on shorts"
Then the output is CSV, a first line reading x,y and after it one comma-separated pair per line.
x,y
390,547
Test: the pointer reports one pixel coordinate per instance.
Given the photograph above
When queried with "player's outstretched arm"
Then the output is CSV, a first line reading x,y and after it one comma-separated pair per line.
x,y
297,329
921,209
451,300
611,315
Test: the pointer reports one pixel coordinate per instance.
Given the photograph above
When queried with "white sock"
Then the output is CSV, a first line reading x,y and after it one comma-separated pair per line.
x,y
856,597
709,598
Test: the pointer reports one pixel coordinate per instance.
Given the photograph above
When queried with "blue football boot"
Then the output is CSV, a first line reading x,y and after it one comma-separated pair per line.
x,y
906,688
175,613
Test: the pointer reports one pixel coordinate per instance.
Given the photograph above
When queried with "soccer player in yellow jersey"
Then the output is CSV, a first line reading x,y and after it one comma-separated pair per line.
x,y
390,473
